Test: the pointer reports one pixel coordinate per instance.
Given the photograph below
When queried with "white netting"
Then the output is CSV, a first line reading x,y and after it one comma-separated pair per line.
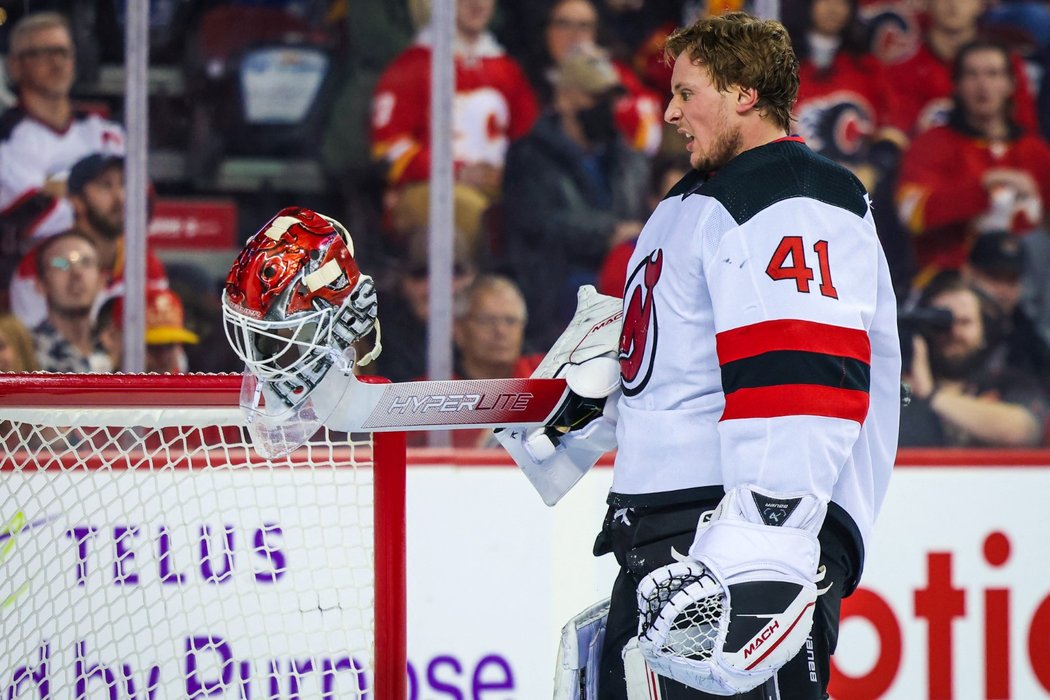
x,y
163,560
680,610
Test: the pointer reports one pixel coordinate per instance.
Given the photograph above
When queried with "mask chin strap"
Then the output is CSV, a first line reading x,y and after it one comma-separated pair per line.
x,y
376,349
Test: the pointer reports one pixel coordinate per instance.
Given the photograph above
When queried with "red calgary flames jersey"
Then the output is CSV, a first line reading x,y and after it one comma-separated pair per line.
x,y
924,87
940,194
839,109
494,104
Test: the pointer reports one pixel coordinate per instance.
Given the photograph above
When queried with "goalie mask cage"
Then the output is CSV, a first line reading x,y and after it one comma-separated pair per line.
x,y
146,552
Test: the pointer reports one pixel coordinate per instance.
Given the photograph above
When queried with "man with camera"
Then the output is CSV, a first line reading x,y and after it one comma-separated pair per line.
x,y
964,393
999,269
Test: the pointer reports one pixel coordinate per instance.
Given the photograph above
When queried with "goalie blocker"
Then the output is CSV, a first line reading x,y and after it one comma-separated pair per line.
x,y
554,457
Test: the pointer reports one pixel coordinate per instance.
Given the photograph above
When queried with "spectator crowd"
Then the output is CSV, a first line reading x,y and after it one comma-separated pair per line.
x,y
941,108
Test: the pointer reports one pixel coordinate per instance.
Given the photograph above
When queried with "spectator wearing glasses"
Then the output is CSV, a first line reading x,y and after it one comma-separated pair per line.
x,y
570,25
489,331
489,336
70,279
42,136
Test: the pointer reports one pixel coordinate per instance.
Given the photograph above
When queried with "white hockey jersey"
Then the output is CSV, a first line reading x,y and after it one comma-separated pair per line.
x,y
31,153
760,343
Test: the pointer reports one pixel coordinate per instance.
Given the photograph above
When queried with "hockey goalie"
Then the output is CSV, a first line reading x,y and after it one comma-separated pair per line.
x,y
756,416
738,521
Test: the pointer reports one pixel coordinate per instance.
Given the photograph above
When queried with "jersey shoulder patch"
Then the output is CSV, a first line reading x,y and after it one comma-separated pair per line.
x,y
763,176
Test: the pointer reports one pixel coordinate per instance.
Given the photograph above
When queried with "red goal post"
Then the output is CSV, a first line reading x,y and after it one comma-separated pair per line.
x,y
145,547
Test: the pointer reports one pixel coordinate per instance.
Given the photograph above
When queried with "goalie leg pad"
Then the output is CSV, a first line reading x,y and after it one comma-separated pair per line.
x,y
642,682
580,653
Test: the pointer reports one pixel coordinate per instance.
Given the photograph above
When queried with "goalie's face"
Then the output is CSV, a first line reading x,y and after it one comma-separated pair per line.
x,y
704,115
295,303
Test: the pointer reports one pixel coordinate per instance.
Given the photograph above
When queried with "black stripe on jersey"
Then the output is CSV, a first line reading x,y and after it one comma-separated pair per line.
x,y
20,219
781,367
761,177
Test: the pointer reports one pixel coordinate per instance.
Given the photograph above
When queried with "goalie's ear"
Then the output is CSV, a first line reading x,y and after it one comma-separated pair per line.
x,y
746,98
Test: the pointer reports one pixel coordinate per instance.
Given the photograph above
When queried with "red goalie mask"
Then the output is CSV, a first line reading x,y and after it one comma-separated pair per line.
x,y
277,261
295,302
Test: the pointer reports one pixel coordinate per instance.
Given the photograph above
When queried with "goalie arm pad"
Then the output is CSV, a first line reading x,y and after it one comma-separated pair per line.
x,y
753,529
585,355
752,570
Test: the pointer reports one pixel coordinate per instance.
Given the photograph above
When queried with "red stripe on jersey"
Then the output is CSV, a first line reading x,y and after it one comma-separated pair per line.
x,y
796,400
790,334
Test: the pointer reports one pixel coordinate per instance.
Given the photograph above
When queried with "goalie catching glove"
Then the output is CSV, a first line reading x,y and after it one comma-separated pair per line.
x,y
555,456
726,618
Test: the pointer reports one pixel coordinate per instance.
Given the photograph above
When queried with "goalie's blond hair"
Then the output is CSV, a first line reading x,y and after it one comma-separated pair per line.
x,y
739,49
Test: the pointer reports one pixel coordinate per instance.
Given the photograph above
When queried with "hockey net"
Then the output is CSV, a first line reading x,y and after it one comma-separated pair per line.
x,y
147,552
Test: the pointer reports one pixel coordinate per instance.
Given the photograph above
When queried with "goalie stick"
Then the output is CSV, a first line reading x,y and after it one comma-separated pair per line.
x,y
452,404
374,407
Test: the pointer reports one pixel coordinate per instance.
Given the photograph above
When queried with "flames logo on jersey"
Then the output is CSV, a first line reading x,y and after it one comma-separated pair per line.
x,y
838,125
638,338
894,31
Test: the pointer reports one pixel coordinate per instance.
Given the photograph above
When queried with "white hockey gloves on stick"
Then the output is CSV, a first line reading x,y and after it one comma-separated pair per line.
x,y
726,618
580,654
554,457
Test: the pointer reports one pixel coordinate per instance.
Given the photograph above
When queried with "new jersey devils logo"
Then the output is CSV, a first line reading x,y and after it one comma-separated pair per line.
x,y
638,339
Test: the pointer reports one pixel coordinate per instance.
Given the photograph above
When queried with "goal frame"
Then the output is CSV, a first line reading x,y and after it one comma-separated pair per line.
x,y
47,392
